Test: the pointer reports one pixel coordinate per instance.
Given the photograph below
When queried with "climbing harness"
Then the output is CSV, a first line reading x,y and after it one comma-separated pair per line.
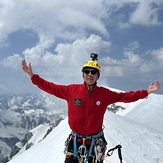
x,y
96,149
88,154
110,152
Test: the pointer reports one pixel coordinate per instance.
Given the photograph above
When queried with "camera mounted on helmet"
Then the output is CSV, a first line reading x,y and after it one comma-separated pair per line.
x,y
94,56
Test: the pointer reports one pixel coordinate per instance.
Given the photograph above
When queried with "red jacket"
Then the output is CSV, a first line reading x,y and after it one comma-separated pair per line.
x,y
86,109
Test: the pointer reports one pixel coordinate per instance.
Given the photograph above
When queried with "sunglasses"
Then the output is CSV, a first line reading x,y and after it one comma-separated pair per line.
x,y
93,72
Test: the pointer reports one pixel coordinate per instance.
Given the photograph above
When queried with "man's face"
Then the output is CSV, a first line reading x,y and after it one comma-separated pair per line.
x,y
90,76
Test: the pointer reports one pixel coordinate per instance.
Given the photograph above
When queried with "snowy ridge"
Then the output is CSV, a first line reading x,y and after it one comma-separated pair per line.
x,y
149,112
140,144
37,134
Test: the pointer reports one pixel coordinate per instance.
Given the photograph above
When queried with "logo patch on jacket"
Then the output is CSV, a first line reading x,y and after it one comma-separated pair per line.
x,y
98,103
77,101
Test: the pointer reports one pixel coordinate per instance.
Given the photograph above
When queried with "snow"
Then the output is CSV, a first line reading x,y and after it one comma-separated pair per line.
x,y
38,134
140,143
149,112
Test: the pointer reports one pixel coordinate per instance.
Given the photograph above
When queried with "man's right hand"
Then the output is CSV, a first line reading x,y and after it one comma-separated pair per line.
x,y
27,68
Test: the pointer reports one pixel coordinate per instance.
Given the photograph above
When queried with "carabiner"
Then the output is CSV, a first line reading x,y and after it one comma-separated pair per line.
x,y
82,151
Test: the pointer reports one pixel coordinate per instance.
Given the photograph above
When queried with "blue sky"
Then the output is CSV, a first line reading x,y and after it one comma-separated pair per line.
x,y
58,36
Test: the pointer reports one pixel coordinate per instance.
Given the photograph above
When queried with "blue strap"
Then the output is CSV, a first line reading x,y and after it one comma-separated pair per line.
x,y
74,145
89,137
91,147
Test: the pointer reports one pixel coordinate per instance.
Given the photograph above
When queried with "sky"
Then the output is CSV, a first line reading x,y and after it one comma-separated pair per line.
x,y
57,38
140,143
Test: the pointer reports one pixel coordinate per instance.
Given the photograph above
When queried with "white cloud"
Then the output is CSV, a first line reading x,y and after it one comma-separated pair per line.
x,y
39,50
71,19
157,56
134,45
133,59
64,19
145,14
133,63
12,61
137,12
67,57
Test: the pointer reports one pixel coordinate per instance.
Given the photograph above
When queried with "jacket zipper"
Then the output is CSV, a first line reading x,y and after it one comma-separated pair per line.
x,y
86,119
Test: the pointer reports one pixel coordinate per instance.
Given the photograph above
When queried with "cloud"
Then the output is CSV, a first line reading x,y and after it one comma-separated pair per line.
x,y
67,58
134,45
12,62
63,19
72,20
138,12
39,50
157,57
134,63
146,13
114,67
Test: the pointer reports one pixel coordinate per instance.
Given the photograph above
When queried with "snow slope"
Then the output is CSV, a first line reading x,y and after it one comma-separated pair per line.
x,y
149,112
140,144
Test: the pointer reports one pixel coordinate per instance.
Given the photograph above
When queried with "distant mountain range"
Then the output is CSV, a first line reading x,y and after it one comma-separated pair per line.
x,y
21,113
